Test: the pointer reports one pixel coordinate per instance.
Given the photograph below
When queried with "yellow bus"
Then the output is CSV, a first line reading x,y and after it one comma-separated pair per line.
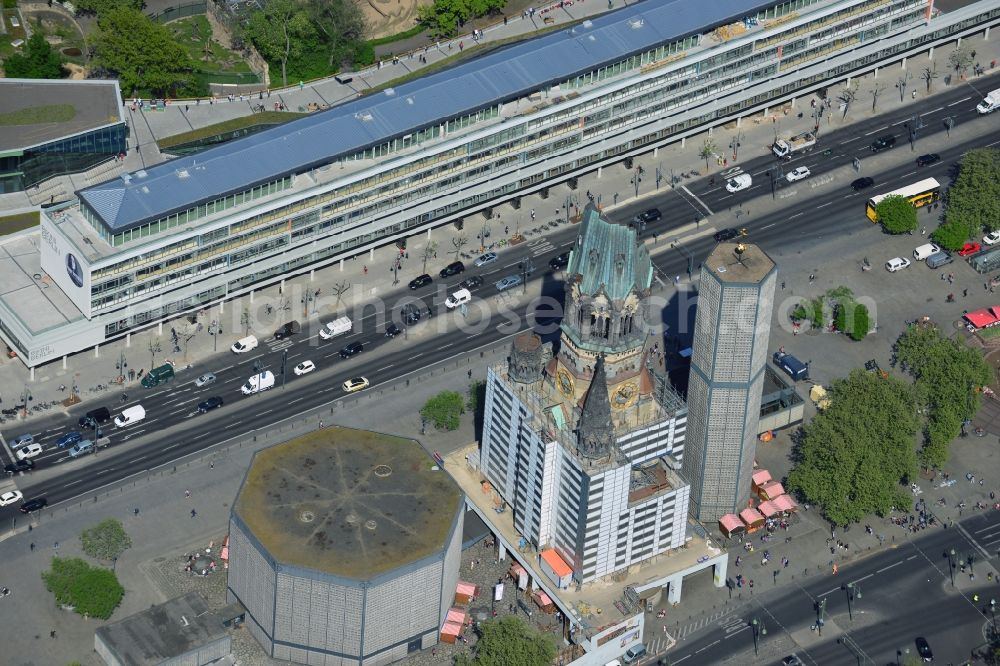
x,y
919,194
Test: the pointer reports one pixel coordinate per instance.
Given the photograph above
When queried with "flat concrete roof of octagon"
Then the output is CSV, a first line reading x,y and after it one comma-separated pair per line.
x,y
353,503
34,112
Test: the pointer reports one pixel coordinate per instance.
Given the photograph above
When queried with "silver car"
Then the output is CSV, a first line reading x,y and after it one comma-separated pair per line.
x,y
487,258
205,380
508,282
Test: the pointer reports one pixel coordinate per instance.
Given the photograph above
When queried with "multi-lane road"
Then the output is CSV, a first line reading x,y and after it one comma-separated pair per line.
x,y
906,592
172,427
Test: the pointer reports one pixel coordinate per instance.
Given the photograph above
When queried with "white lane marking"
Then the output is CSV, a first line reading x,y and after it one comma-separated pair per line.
x,y
894,564
964,99
769,226
880,129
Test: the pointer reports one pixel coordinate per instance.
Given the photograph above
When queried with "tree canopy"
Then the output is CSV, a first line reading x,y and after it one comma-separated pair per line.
x,y
445,17
948,375
854,456
444,409
341,24
896,215
92,591
142,53
281,31
39,61
509,640
102,7
974,197
106,540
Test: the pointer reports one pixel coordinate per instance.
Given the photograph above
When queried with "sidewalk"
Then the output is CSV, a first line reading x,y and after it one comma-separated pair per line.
x,y
357,285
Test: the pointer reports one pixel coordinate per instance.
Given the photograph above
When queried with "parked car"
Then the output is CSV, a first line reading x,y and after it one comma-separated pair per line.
x,y
355,384
454,268
29,451
969,249
11,497
924,649
69,439
791,660
410,314
862,183
289,329
36,504
939,259
244,345
205,380
22,440
991,238
304,368
798,173
739,182
928,159
559,262
210,404
896,264
471,282
352,349
506,283
883,143
420,281
647,216
486,259
19,466
392,330
725,234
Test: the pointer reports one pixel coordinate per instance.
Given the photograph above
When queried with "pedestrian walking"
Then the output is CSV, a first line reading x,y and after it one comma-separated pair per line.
x,y
913,94
187,493
506,230
364,269
470,373
193,513
135,511
31,546
965,292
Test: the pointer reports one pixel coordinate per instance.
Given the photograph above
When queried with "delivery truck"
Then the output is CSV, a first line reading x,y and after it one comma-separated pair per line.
x,y
338,326
990,104
785,148
158,376
259,382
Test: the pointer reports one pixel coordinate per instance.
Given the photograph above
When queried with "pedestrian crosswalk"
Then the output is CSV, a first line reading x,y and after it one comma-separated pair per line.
x,y
726,618
540,246
278,345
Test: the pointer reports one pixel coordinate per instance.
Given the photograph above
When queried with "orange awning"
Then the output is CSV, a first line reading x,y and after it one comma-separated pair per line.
x,y
451,629
468,589
751,517
760,477
556,563
456,615
768,508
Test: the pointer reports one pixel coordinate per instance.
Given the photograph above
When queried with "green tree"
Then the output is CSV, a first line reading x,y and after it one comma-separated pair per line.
x,y
342,24
280,32
855,454
141,53
510,640
39,61
102,7
852,319
896,215
106,540
974,197
444,410
706,151
951,235
811,311
948,376
92,591
444,17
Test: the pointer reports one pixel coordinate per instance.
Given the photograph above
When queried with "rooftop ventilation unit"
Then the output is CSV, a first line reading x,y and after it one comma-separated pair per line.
x,y
364,117
390,92
637,23
141,173
126,178
182,173
409,100
144,189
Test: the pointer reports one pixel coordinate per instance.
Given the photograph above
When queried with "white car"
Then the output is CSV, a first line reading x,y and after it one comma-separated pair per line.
x,y
798,174
304,368
355,384
29,451
205,380
739,182
896,264
487,258
991,238
460,297
11,497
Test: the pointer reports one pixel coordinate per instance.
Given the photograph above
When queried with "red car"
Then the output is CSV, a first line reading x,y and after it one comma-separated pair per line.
x,y
969,248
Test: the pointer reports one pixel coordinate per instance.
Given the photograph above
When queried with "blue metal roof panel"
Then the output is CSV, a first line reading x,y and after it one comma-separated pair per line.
x,y
504,74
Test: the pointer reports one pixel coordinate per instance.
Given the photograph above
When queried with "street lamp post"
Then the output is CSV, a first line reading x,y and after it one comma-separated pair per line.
x,y
820,611
758,629
951,565
25,398
853,592
993,614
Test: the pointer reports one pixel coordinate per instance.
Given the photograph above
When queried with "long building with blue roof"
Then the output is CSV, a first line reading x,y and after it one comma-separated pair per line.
x,y
523,118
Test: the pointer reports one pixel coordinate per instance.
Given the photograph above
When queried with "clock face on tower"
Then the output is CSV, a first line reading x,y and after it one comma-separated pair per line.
x,y
564,380
625,395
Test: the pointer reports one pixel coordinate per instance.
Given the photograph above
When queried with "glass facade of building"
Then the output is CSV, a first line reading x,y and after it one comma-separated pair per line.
x,y
21,169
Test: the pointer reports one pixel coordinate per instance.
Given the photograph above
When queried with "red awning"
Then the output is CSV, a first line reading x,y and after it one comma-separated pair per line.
x,y
456,615
760,477
785,503
451,629
751,517
468,589
730,523
556,563
772,489
984,318
767,508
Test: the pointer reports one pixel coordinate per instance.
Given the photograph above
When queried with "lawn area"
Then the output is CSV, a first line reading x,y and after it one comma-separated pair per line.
x,y
32,115
194,34
12,33
12,223
265,118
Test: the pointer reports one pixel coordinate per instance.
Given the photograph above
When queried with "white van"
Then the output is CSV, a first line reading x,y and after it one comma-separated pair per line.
x,y
925,251
243,345
460,297
130,415
338,326
257,383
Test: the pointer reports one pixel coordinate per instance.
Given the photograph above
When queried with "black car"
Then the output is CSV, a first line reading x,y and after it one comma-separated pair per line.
x,y
560,262
928,159
25,465
862,183
883,143
352,349
210,404
454,268
471,282
392,330
923,649
410,314
651,215
420,281
36,504
725,234
95,416
291,328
